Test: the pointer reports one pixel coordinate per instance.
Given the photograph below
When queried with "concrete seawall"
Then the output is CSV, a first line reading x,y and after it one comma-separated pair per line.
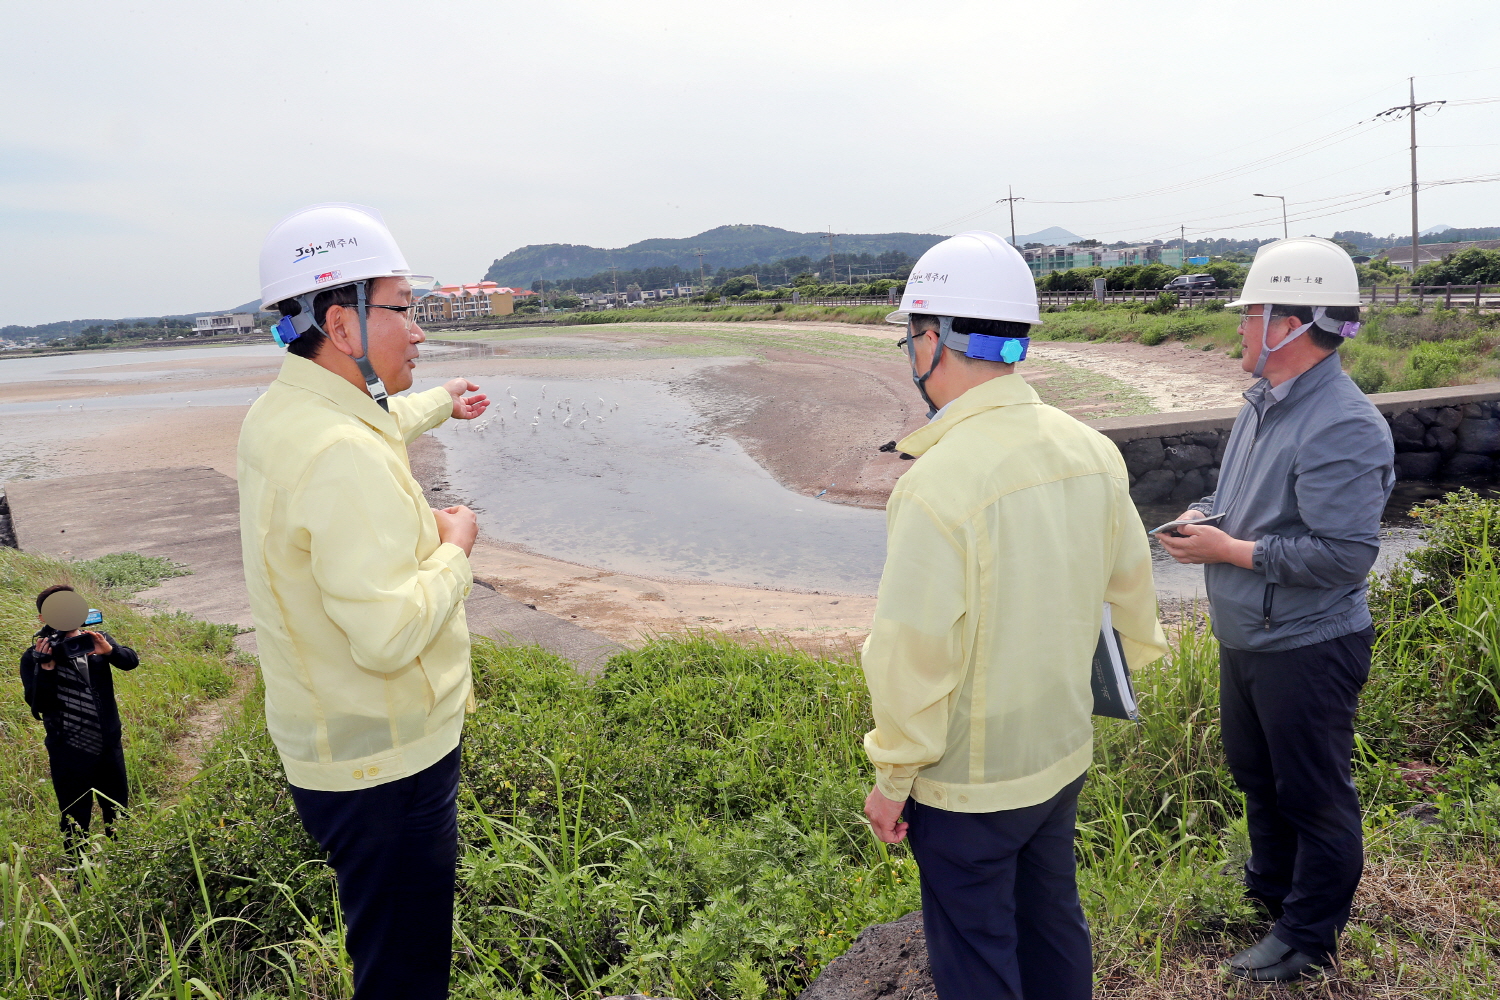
x,y
1449,433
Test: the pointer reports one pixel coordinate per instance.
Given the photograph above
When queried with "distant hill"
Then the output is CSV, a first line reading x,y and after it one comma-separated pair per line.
x,y
1053,236
726,246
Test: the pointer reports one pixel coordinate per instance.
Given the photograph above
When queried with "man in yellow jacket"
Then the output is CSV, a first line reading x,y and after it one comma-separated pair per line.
x,y
357,588
1006,538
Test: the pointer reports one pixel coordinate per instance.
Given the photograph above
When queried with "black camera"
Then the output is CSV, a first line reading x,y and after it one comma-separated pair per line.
x,y
62,645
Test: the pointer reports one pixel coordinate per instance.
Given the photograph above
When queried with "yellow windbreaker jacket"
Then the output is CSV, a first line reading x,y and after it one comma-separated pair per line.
x,y
358,607
1005,539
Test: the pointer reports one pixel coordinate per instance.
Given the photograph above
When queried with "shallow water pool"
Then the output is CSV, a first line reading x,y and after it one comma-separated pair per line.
x,y
637,484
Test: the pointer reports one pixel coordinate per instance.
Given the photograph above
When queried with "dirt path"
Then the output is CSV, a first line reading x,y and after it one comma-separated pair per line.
x,y
208,720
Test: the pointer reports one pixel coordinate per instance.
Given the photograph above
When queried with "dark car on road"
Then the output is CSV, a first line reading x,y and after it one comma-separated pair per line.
x,y
1191,283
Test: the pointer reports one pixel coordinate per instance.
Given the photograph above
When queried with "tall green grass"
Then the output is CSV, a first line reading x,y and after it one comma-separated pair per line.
x,y
688,825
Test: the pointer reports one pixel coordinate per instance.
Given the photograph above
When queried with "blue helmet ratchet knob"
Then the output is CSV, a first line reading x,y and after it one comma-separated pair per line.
x,y
1007,349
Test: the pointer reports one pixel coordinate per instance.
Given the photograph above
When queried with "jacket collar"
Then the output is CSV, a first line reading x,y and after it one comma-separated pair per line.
x,y
1307,383
309,375
1007,390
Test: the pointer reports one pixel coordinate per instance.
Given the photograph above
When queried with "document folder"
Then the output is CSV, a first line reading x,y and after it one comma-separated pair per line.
x,y
1113,695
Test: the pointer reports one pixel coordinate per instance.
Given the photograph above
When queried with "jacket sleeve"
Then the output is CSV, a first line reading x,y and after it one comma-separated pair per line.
x,y
420,412
914,659
1206,505
1131,590
120,656
362,537
38,685
1342,486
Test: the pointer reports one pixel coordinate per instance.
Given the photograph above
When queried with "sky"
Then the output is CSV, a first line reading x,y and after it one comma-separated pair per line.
x,y
148,148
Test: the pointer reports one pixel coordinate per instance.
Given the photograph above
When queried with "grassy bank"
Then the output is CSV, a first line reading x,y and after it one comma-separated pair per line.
x,y
1397,349
689,825
715,314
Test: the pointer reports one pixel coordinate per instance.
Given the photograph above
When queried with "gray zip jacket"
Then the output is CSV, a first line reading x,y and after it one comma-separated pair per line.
x,y
1306,479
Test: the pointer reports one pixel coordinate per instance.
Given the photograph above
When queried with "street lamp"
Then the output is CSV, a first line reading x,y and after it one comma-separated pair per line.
x,y
1284,233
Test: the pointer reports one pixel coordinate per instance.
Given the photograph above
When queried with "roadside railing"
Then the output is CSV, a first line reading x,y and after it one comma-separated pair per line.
x,y
1448,296
786,301
1185,297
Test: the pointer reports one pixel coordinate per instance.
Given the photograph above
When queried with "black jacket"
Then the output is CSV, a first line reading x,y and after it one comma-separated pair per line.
x,y
41,689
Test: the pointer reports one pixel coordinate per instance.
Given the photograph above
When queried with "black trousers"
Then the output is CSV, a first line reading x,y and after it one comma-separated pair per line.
x,y
394,848
1288,720
77,778
1000,901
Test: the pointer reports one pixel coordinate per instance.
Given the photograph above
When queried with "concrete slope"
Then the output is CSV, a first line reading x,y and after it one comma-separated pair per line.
x,y
191,516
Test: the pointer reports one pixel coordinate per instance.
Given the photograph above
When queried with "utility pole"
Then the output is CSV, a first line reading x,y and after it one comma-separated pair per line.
x,y
1284,232
1411,108
833,268
1182,234
702,281
1011,197
614,276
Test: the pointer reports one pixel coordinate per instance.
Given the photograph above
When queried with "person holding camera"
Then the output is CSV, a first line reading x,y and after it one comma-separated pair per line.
x,y
69,686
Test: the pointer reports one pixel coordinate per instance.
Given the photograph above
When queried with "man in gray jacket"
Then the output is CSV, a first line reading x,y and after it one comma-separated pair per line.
x,y
1304,480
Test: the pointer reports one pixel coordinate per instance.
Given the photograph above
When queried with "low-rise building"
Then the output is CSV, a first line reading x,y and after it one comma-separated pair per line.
x,y
231,323
447,303
1045,260
1431,253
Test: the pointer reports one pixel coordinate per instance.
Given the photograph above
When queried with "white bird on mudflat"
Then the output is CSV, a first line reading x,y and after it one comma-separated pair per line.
x,y
568,421
582,422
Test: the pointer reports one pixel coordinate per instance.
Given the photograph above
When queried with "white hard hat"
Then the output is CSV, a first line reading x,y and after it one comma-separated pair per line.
x,y
324,246
976,275
1301,271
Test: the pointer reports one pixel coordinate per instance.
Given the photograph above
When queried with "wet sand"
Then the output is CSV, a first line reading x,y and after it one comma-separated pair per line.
x,y
810,410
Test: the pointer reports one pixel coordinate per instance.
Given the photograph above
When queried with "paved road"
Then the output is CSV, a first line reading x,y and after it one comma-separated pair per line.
x,y
191,516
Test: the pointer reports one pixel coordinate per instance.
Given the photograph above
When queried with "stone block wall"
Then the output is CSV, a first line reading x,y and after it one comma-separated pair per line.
x,y
1451,433
1446,442
1180,468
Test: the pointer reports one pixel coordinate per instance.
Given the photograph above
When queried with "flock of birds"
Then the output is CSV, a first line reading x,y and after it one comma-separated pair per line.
x,y
563,407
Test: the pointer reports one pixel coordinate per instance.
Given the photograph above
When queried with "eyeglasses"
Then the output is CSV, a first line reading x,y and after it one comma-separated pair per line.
x,y
405,311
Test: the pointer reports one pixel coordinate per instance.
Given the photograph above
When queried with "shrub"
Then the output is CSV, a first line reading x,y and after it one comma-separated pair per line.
x,y
1433,364
1467,267
1369,374
1163,304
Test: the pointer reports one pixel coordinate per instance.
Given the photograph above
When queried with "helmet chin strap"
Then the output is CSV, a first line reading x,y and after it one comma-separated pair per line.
x,y
292,327
984,347
1265,331
373,384
945,330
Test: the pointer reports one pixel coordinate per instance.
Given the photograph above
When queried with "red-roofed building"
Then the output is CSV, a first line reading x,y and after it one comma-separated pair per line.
x,y
453,302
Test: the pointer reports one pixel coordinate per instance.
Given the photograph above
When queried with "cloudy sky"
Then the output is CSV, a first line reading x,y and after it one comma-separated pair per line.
x,y
149,146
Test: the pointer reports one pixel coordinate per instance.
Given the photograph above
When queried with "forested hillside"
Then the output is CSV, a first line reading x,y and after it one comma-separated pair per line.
x,y
725,246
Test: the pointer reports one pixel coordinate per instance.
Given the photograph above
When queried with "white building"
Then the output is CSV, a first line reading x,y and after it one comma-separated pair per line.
x,y
231,323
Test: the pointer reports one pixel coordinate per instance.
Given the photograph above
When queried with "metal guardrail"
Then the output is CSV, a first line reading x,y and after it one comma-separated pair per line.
x,y
1451,296
1185,298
